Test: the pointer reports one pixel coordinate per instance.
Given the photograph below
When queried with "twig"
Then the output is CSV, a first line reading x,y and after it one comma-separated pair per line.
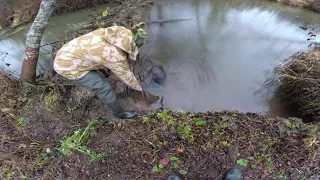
x,y
167,21
55,42
148,22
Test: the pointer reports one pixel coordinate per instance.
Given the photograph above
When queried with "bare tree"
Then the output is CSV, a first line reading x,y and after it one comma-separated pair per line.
x,y
34,37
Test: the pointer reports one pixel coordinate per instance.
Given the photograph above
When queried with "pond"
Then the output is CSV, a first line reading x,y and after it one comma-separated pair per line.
x,y
220,59
217,60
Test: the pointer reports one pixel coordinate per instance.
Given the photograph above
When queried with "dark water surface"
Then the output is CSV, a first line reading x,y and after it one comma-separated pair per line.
x,y
221,58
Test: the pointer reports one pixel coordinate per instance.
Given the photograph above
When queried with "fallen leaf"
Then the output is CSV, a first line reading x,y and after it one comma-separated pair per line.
x,y
164,161
179,150
183,172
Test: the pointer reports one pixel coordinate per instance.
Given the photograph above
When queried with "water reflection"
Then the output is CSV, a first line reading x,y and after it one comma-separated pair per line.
x,y
220,58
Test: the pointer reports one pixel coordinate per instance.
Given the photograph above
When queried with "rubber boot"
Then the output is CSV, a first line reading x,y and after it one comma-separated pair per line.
x,y
234,174
119,112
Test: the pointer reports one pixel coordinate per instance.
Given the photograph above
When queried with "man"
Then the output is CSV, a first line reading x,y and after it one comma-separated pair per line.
x,y
109,48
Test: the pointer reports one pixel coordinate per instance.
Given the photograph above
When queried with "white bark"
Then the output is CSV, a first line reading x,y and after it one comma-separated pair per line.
x,y
40,23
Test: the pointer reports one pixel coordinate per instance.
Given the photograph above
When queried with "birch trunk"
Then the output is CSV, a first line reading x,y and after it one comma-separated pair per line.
x,y
34,37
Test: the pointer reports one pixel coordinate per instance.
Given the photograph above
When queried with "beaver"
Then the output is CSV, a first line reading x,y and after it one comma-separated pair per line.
x,y
157,75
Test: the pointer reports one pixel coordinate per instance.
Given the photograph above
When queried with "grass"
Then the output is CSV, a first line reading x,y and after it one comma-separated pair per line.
x,y
77,142
300,85
51,100
242,162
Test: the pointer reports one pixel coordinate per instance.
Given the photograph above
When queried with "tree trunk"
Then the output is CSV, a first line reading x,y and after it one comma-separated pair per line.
x,y
34,37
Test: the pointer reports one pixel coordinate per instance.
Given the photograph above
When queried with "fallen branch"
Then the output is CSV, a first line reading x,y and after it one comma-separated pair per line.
x,y
167,21
148,22
56,42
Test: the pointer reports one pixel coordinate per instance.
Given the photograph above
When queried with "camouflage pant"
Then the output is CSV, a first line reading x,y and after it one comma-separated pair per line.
x,y
95,82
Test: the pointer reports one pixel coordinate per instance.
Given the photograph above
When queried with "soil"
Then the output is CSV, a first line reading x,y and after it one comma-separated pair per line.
x,y
15,12
308,4
194,145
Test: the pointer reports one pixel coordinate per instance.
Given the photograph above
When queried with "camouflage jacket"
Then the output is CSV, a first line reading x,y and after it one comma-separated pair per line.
x,y
99,49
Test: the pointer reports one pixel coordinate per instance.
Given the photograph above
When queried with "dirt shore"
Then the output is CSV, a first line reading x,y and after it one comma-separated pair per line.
x,y
308,4
36,132
15,12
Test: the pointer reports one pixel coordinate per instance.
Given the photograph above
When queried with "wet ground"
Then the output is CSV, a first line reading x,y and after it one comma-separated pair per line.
x,y
219,59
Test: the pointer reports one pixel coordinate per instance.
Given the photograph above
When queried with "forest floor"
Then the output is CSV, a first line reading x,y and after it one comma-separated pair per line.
x,y
53,135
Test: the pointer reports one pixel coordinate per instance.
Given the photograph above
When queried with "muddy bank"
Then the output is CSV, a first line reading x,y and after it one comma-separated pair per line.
x,y
13,13
195,145
308,4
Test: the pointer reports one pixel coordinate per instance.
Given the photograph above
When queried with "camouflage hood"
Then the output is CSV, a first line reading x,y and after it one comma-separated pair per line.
x,y
122,38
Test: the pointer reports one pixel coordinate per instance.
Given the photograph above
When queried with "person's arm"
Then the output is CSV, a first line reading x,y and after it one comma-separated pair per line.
x,y
116,54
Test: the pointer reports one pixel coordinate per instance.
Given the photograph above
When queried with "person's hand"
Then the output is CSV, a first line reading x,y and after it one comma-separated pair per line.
x,y
137,26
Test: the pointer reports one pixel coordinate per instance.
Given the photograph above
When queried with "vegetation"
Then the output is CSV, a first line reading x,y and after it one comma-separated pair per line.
x,y
313,5
300,84
191,144
78,139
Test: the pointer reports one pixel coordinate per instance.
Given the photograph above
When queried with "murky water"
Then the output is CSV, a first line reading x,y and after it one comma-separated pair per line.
x,y
217,60
221,58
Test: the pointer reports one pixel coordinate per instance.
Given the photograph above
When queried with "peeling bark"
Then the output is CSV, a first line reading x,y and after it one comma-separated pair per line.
x,y
34,37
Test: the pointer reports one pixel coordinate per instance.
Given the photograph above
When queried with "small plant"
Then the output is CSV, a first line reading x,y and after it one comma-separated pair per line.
x,y
160,143
290,125
220,128
21,122
166,117
281,175
50,100
180,113
184,130
269,163
242,162
224,118
175,161
157,168
78,139
145,119
199,122
310,142
10,175
259,156
24,177
224,143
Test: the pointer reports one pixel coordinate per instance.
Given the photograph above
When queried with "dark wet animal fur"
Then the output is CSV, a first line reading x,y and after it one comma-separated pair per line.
x,y
158,74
